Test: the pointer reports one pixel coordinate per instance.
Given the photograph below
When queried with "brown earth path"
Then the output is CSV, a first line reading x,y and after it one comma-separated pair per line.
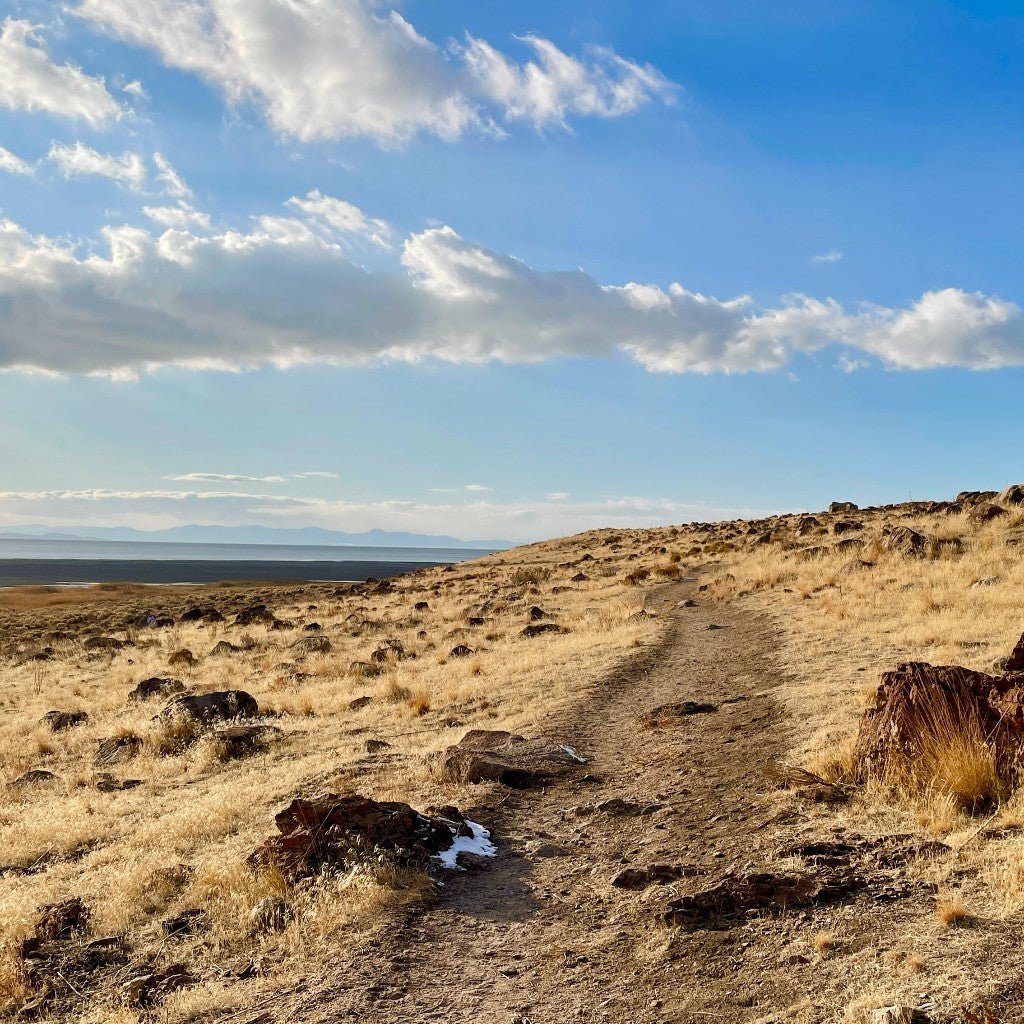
x,y
542,937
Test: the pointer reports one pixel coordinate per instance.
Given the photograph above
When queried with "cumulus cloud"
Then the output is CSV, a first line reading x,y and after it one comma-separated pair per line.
x,y
181,216
31,81
13,164
79,159
478,487
135,88
343,218
354,68
228,477
285,293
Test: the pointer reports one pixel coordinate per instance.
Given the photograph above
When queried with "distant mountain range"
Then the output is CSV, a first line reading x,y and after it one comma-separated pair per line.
x,y
194,534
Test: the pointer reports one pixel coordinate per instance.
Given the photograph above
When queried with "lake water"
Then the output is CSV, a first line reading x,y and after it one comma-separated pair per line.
x,y
31,561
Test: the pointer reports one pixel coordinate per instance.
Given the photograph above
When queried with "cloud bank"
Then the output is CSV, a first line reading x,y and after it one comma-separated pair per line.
x,y
285,293
354,68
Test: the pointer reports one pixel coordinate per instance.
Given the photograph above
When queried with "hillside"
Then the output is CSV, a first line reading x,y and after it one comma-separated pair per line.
x,y
683,831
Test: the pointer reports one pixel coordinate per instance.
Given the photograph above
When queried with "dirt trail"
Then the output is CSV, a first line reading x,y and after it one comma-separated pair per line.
x,y
542,937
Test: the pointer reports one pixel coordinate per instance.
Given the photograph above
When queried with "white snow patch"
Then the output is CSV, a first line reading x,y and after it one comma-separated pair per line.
x,y
571,751
479,843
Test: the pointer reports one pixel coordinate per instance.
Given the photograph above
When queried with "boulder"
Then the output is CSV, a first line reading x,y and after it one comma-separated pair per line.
x,y
667,714
209,708
918,708
183,657
535,614
332,832
155,686
985,512
58,721
421,606
1012,495
965,498
117,749
150,987
312,645
904,541
34,777
236,741
222,647
842,506
636,879
483,755
257,613
460,651
539,628
104,643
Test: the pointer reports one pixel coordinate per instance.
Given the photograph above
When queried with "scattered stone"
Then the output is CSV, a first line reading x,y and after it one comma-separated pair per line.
x,y
149,988
222,647
714,625
155,686
688,603
389,649
375,746
337,832
182,657
221,706
536,613
359,703
237,741
117,749
106,783
547,850
58,721
58,921
616,807
188,922
496,756
104,643
636,879
422,606
775,892
668,714
460,651
987,581
476,620
539,628
312,627
580,577
255,614
312,645
34,777
899,1015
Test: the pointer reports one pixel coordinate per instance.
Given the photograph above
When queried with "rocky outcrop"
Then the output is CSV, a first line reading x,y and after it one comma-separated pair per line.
x,y
334,832
58,721
208,708
1012,495
155,686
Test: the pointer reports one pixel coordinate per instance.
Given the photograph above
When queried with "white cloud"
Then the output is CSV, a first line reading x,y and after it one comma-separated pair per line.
x,y
79,159
135,89
832,256
286,293
317,474
181,216
31,81
478,487
354,68
555,86
13,164
343,218
153,509
227,477
174,184
558,496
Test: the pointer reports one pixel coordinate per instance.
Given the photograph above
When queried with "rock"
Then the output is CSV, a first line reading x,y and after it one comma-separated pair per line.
x,y
1012,495
845,526
34,777
152,986
270,915
104,643
460,651
359,703
188,922
473,861
389,649
688,603
117,749
375,746
255,614
476,620
843,506
535,613
898,1015
616,807
547,850
312,627
985,512
222,647
237,741
580,577
312,645
775,892
422,606
58,721
917,700
540,628
485,756
106,783
667,714
987,581
182,657
807,525
972,497
636,879
222,706
58,921
338,832
155,686
904,541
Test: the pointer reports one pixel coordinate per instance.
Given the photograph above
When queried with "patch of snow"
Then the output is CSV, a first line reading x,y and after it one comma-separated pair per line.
x,y
479,843
571,751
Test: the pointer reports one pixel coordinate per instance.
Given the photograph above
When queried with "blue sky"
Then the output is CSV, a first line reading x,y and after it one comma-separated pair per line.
x,y
504,270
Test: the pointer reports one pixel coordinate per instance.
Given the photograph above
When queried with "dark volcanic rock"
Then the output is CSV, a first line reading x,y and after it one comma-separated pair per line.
x,y
656,874
58,721
182,657
104,643
1012,495
666,714
34,777
335,832
235,741
985,512
222,706
538,629
117,749
257,613
312,645
155,686
460,651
